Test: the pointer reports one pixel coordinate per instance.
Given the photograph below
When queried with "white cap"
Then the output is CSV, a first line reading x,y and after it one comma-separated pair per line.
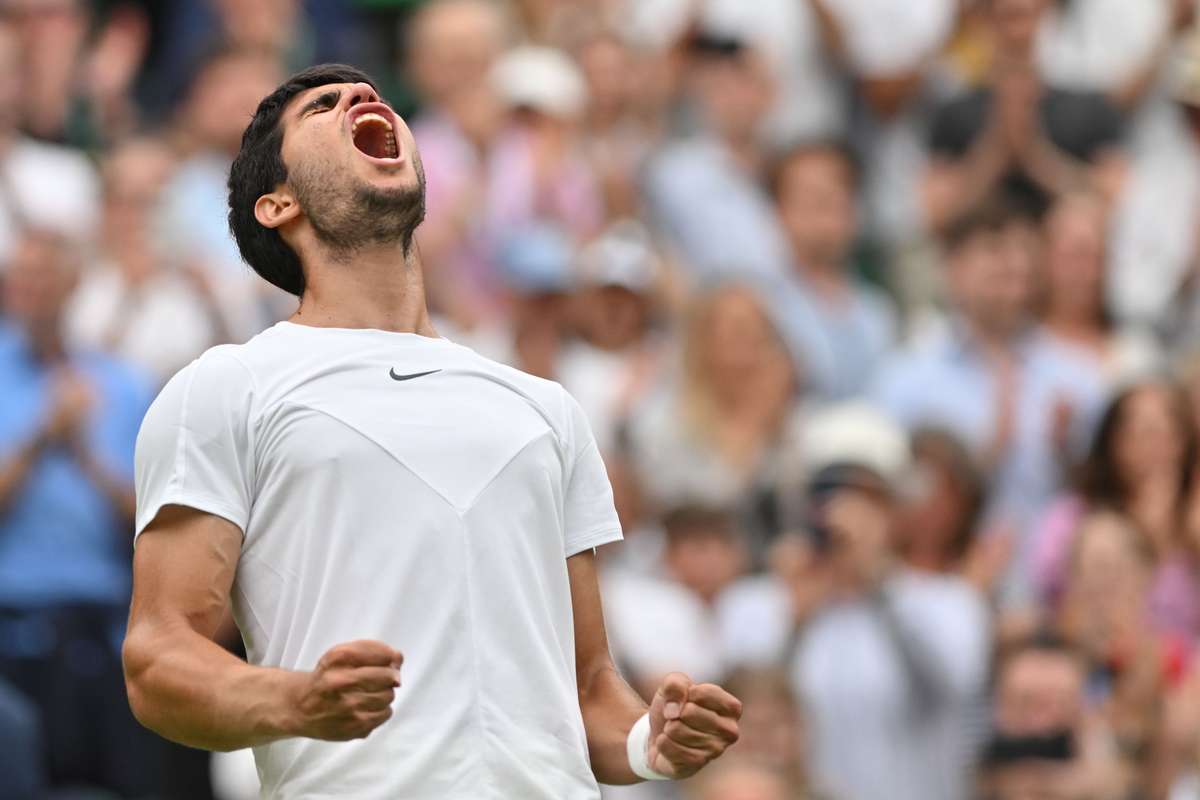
x,y
857,434
542,78
621,256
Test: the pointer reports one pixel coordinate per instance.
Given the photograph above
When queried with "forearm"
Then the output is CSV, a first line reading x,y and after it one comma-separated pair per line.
x,y
1052,170
15,470
610,708
190,690
952,190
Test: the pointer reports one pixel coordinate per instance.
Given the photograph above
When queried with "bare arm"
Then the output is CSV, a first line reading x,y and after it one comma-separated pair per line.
x,y
185,687
953,188
609,705
16,467
690,724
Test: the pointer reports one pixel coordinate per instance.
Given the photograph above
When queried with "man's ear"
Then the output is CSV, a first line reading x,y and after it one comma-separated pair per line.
x,y
276,208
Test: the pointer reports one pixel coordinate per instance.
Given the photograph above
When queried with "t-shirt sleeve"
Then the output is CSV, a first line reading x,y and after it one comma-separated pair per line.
x,y
194,448
589,515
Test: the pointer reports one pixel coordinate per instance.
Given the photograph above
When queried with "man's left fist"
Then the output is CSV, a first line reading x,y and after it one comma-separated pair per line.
x,y
690,725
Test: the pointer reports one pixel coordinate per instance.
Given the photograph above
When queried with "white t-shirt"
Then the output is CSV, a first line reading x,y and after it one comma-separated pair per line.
x,y
403,488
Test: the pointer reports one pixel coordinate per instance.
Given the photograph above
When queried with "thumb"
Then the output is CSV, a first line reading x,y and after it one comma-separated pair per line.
x,y
668,700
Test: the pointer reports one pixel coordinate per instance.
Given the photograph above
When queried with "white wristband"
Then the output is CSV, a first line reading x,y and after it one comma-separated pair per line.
x,y
637,747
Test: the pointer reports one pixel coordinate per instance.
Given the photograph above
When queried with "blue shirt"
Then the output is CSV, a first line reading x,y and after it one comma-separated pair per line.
x,y
720,219
840,346
61,541
948,384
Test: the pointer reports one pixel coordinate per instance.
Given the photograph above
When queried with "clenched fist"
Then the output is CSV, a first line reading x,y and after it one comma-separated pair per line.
x,y
350,693
690,725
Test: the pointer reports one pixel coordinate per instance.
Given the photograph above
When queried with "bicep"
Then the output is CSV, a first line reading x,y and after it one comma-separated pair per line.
x,y
591,640
183,569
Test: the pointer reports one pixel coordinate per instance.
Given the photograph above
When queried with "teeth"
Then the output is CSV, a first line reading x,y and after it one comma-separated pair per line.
x,y
372,117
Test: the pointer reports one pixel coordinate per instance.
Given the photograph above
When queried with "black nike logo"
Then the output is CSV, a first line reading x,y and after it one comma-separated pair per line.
x,y
411,375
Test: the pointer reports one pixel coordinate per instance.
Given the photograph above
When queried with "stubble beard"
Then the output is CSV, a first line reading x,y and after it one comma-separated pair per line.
x,y
348,215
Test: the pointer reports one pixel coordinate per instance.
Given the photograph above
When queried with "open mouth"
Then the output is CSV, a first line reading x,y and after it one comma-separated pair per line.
x,y
374,136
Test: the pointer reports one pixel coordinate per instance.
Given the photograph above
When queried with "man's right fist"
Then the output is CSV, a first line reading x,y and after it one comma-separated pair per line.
x,y
350,693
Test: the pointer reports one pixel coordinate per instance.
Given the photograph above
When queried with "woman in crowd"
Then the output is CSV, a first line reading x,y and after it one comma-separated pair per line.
x,y
1131,668
1075,312
727,432
1142,464
939,522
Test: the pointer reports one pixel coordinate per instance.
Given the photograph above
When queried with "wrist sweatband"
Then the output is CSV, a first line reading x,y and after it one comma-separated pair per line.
x,y
637,747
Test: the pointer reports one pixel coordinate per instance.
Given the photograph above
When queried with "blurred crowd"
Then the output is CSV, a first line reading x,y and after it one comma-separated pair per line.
x,y
885,314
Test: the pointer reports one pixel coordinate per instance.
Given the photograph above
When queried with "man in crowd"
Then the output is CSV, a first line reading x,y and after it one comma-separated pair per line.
x,y
990,378
41,184
838,326
706,192
67,426
890,663
1017,136
1043,742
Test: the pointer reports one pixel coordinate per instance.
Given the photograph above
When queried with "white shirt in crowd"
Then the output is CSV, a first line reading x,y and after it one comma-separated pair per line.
x,y
891,689
159,325
398,487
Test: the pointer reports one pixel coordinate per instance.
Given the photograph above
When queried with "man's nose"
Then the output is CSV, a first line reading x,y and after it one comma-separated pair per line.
x,y
362,93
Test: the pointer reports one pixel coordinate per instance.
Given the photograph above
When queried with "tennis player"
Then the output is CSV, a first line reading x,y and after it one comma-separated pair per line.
x,y
366,494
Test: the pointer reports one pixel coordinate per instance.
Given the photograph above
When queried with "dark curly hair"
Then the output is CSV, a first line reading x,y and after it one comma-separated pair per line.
x,y
259,168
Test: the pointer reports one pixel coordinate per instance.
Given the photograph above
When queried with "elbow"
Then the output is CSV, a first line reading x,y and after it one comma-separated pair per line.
x,y
137,659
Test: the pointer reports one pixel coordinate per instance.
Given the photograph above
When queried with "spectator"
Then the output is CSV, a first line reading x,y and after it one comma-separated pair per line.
x,y
771,733
728,431
68,421
618,133
41,185
538,170
535,265
1126,50
129,303
893,720
523,168
706,192
223,96
799,43
79,65
939,528
674,618
1016,135
1044,742
1076,313
993,380
452,47
1142,464
887,48
742,781
840,327
613,366
1131,666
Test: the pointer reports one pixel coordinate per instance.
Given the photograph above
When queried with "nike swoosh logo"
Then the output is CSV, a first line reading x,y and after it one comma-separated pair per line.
x,y
411,375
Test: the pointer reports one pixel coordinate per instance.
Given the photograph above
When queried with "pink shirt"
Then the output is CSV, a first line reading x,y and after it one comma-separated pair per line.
x,y
1174,602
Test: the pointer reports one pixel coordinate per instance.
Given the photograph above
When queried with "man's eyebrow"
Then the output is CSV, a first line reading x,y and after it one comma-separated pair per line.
x,y
323,100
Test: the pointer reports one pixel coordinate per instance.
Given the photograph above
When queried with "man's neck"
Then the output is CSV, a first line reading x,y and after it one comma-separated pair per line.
x,y
992,340
380,288
822,272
